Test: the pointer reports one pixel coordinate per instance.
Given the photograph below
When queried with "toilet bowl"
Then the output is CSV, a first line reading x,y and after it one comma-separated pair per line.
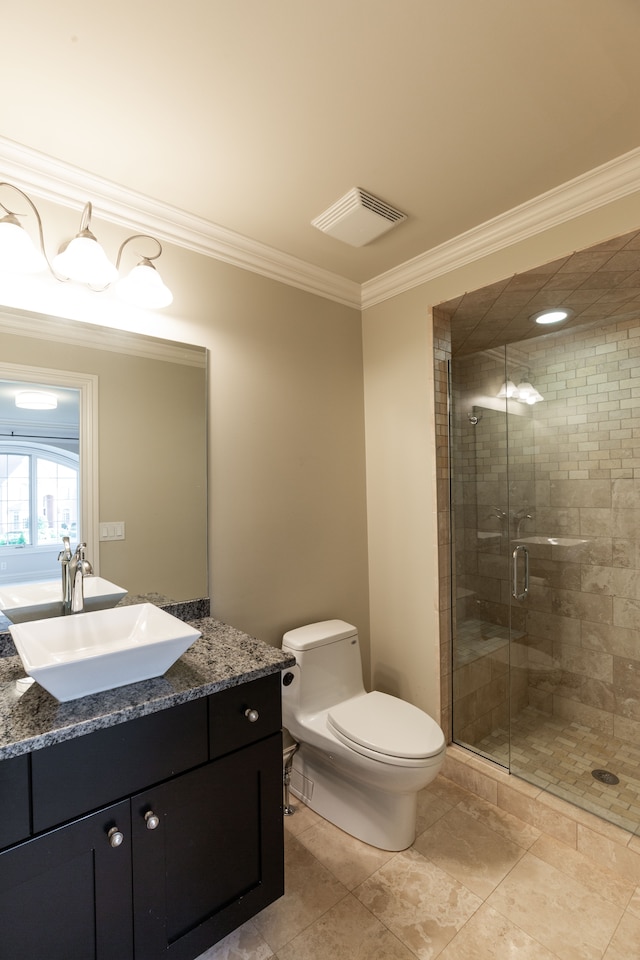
x,y
363,757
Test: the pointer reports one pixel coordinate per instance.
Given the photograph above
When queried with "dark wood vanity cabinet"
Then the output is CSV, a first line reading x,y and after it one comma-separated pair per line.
x,y
192,847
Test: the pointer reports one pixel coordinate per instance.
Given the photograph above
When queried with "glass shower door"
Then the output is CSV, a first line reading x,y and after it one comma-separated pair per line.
x,y
481,535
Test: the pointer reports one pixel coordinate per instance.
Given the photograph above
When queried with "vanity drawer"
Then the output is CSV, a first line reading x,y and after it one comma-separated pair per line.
x,y
229,724
74,777
14,800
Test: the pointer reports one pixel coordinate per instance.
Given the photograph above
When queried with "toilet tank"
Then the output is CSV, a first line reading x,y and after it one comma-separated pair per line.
x,y
330,666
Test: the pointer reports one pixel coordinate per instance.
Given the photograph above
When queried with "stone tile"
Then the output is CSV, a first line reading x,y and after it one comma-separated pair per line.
x,y
579,867
500,821
302,818
445,789
490,936
529,809
422,905
624,861
430,808
310,890
634,903
245,943
347,931
564,915
625,943
348,859
469,850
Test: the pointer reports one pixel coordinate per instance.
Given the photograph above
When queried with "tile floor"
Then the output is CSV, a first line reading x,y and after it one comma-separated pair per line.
x,y
477,884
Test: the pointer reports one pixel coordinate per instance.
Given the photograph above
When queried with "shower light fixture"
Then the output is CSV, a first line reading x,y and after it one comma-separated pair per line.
x,y
81,259
551,316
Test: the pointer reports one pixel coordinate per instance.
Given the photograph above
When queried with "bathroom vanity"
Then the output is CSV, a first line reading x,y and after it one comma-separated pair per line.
x,y
144,822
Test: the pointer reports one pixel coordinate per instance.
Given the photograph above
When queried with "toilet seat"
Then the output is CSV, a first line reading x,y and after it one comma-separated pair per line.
x,y
386,729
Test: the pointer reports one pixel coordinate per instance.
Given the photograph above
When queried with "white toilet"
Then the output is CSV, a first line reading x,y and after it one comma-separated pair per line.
x,y
363,757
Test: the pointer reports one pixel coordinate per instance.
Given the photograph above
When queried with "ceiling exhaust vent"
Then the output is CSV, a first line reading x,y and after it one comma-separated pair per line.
x,y
358,218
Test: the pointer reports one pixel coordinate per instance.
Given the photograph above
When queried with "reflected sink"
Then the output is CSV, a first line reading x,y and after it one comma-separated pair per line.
x,y
552,541
36,601
85,653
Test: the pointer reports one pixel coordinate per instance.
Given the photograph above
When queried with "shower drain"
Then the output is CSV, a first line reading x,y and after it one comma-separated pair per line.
x,y
605,776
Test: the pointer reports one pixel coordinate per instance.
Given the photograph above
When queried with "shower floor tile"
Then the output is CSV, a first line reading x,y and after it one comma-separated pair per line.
x,y
559,755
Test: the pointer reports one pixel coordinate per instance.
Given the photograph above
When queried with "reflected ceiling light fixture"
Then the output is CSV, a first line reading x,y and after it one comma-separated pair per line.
x,y
36,400
551,316
81,259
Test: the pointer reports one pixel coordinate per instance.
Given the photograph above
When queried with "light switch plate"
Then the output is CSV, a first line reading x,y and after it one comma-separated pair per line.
x,y
112,530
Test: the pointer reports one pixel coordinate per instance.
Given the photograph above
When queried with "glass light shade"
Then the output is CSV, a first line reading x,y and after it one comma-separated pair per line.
x,y
18,253
507,391
143,287
36,400
526,393
84,261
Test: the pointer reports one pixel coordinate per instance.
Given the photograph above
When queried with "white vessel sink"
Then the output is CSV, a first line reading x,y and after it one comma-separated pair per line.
x,y
37,601
85,653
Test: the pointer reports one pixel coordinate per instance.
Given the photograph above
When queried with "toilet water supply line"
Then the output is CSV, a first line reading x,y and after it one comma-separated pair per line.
x,y
287,755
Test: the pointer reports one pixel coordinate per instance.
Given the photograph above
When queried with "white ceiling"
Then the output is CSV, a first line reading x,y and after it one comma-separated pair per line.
x,y
257,115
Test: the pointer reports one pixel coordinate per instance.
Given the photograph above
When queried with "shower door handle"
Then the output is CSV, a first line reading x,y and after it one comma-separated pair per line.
x,y
514,587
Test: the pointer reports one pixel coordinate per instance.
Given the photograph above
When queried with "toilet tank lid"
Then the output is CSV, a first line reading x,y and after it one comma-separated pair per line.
x,y
318,634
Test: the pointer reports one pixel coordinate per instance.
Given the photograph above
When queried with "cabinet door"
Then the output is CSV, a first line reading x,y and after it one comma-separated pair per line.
x,y
216,856
66,895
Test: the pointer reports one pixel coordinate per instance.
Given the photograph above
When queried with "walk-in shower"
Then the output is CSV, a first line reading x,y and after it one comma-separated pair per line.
x,y
545,528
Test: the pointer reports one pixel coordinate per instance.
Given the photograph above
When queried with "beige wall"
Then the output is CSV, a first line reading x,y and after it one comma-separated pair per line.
x,y
287,505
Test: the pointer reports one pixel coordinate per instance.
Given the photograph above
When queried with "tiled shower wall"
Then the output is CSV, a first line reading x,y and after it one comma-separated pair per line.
x,y
574,470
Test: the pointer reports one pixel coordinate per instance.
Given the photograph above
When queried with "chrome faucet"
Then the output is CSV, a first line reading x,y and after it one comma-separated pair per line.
x,y
74,569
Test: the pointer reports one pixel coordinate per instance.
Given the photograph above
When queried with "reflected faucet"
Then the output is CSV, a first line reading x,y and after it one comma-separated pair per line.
x,y
519,518
65,556
74,569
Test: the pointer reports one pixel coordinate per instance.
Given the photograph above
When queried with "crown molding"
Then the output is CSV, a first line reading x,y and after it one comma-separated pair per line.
x,y
611,181
69,186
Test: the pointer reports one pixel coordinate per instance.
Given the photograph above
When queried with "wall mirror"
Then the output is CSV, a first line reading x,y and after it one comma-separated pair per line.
x,y
141,451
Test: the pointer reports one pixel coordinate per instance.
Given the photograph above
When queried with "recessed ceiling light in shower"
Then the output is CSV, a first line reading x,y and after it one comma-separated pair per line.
x,y
555,315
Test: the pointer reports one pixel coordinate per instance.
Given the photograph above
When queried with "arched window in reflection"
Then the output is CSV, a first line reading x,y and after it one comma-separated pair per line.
x,y
40,499
38,495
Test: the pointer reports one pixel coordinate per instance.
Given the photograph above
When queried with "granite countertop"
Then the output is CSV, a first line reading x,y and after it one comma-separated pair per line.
x,y
222,657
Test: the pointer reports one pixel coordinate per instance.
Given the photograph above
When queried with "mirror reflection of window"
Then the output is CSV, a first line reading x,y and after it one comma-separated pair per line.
x,y
39,479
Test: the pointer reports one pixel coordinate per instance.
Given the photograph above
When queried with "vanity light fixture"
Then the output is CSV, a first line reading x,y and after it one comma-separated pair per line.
x,y
551,316
525,392
508,391
81,259
36,400
528,393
